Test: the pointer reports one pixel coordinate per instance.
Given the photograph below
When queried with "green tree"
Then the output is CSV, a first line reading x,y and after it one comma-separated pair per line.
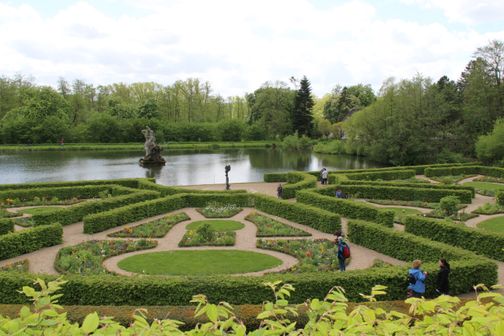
x,y
302,113
490,147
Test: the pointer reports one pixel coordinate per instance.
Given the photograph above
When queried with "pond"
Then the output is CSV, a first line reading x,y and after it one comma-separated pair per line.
x,y
182,167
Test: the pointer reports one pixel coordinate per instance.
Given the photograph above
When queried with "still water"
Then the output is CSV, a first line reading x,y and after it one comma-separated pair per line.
x,y
182,167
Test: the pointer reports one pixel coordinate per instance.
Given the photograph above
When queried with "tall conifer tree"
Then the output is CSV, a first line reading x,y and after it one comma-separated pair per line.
x,y
302,114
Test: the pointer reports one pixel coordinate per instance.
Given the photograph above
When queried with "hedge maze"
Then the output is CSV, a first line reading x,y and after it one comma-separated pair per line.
x,y
102,206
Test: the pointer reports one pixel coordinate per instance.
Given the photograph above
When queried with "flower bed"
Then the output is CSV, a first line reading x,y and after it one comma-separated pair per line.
x,y
17,266
217,210
87,258
313,255
155,229
204,235
268,227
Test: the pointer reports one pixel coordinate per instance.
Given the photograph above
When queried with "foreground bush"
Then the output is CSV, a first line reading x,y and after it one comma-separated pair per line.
x,y
330,316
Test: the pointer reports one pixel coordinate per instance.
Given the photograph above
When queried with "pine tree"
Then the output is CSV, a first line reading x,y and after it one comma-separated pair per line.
x,y
302,114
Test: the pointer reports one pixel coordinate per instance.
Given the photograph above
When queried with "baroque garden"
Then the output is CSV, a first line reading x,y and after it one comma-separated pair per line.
x,y
132,242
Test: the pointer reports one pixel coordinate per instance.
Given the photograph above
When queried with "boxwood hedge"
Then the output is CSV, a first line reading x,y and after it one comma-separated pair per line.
x,y
76,213
411,185
170,190
377,175
126,182
481,242
499,196
466,269
466,170
314,217
433,195
29,240
6,225
277,177
297,181
345,207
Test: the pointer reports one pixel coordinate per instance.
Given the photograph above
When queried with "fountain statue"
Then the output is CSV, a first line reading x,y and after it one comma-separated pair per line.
x,y
152,150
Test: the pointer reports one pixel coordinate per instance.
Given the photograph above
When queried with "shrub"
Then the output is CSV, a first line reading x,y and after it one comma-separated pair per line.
x,y
126,182
77,212
297,181
6,225
216,210
449,205
479,241
230,130
408,185
296,142
268,227
275,177
29,240
316,218
499,196
345,208
80,192
381,175
170,190
196,200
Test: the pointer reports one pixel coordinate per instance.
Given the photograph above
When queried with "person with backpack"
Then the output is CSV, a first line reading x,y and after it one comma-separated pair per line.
x,y
416,280
343,253
442,283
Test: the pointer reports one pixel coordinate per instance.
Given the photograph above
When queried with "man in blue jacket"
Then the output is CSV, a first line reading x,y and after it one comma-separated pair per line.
x,y
416,287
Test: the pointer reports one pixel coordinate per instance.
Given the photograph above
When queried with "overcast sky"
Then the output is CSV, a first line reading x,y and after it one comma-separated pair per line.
x,y
238,45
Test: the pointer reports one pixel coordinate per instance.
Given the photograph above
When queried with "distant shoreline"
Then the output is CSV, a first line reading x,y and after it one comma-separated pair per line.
x,y
135,146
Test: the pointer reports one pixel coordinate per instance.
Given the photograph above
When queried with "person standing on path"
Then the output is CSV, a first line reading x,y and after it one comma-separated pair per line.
x,y
323,175
343,251
280,191
416,279
442,283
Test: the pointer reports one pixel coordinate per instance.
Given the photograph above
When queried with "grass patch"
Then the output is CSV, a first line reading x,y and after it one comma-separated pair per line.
x,y
493,225
198,262
216,210
155,229
6,214
268,227
217,225
489,209
23,221
401,213
207,237
313,255
87,258
485,188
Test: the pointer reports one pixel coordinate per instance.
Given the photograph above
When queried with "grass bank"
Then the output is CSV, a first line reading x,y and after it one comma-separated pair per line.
x,y
135,146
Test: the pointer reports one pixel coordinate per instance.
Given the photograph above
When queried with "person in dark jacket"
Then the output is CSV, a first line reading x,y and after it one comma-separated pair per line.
x,y
442,283
417,287
280,191
341,257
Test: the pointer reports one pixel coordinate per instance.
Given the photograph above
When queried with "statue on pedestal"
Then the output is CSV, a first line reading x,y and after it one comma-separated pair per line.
x,y
152,150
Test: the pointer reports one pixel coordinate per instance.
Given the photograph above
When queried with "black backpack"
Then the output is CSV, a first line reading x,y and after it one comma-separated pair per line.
x,y
411,279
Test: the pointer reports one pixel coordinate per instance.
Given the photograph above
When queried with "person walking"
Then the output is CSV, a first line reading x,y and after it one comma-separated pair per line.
x,y
416,279
324,175
442,283
280,191
343,253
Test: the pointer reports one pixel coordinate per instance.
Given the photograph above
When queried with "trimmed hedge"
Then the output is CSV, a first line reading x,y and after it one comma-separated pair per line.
x,y
195,200
76,213
316,218
377,175
432,195
419,169
499,197
130,213
346,208
277,177
482,242
81,192
466,269
29,240
411,185
170,190
126,182
6,225
297,181
466,170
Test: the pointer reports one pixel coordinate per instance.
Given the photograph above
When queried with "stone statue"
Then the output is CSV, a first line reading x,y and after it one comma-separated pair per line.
x,y
152,150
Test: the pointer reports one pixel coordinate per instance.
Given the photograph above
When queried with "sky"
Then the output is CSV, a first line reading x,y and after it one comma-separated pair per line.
x,y
237,45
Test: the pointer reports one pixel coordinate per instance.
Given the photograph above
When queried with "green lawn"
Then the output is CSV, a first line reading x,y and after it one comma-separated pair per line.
x,y
487,187
217,225
495,224
401,213
36,211
198,262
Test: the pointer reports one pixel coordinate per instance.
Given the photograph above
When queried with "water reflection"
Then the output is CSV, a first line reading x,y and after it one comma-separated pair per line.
x,y
182,167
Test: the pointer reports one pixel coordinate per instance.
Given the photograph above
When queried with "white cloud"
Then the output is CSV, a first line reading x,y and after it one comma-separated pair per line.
x,y
236,45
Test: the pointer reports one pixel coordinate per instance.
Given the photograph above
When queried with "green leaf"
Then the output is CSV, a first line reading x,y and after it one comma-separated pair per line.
x,y
90,323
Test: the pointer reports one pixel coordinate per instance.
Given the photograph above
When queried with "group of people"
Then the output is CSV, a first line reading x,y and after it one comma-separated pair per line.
x,y
417,277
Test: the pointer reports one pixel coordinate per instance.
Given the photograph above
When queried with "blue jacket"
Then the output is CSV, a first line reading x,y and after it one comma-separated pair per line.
x,y
419,285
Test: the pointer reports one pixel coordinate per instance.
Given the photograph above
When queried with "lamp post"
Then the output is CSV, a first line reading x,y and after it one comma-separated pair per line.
x,y
227,169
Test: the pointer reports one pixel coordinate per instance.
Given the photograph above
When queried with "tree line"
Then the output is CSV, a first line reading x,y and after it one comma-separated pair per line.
x,y
406,122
